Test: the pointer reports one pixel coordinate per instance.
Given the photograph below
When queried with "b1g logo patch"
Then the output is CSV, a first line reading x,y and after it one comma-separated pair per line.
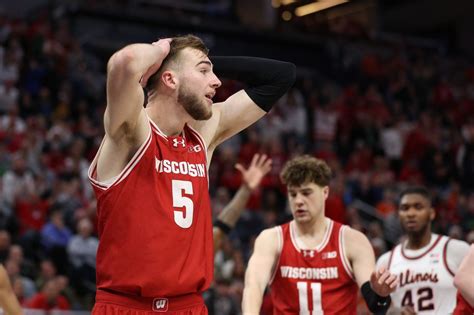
x,y
160,305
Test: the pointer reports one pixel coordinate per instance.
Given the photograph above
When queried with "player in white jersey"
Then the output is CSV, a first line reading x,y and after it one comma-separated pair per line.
x,y
424,262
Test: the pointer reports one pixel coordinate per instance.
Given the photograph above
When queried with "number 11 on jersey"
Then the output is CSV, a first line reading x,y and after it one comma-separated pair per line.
x,y
303,298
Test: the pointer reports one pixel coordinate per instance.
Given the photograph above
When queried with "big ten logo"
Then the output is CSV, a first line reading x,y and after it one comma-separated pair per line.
x,y
160,305
329,255
194,148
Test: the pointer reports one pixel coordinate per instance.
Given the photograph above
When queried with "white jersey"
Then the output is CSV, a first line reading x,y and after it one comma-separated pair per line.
x,y
426,275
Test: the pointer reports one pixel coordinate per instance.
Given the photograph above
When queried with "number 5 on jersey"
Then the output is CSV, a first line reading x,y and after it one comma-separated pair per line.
x,y
303,298
180,188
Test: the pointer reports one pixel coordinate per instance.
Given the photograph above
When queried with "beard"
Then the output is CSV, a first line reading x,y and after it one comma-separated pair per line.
x,y
196,108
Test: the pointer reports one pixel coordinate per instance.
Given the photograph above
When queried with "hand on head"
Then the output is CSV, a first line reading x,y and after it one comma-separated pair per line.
x,y
164,45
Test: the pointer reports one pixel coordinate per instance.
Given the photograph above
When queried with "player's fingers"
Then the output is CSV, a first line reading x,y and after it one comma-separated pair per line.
x,y
255,158
392,281
261,160
408,310
381,270
267,166
383,277
239,167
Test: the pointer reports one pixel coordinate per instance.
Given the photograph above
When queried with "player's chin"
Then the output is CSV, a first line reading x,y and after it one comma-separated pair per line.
x,y
301,218
204,114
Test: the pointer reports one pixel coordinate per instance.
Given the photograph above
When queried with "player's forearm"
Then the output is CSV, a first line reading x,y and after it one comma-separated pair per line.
x,y
267,79
9,303
252,300
231,213
136,59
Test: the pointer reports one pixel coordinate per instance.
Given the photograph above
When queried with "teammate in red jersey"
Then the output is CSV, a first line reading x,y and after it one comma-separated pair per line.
x,y
313,264
150,173
464,280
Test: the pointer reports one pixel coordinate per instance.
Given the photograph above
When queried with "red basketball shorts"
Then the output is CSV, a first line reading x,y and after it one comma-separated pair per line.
x,y
119,304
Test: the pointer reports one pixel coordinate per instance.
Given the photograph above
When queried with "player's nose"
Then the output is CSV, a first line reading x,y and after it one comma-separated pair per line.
x,y
215,82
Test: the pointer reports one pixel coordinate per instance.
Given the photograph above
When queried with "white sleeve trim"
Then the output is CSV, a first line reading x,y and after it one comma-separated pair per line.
x,y
105,185
342,253
280,248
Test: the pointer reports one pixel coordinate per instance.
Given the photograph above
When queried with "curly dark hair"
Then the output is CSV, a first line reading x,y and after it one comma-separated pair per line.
x,y
304,169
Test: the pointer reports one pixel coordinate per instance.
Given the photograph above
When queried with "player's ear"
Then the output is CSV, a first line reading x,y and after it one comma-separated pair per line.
x,y
432,214
326,192
169,79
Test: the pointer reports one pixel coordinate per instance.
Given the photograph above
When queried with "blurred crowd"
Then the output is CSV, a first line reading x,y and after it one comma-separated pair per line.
x,y
383,117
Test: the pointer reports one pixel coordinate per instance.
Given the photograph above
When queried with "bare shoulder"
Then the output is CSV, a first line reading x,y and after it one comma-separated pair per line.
x,y
268,241
353,237
355,242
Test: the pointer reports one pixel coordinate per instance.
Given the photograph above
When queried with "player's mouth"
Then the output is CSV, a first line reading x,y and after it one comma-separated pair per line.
x,y
300,212
411,224
209,97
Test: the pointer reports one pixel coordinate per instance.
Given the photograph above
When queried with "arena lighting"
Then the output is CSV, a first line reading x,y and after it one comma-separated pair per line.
x,y
317,6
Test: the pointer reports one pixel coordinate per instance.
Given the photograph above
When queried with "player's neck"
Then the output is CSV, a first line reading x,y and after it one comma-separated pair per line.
x,y
417,241
167,115
312,228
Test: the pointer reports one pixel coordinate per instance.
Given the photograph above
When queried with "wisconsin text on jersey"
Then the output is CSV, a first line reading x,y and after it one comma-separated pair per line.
x,y
183,167
309,273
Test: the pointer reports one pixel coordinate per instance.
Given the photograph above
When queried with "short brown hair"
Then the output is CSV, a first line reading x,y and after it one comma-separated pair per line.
x,y
177,44
306,169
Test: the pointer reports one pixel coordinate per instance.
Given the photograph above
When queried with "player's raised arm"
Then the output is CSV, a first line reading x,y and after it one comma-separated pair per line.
x,y
251,177
375,285
8,300
127,71
267,81
259,270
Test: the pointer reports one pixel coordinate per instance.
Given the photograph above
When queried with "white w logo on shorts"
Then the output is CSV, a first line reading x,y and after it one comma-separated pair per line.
x,y
160,305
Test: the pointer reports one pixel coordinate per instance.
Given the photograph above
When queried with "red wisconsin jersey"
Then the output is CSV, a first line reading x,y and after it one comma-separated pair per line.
x,y
154,219
316,281
462,306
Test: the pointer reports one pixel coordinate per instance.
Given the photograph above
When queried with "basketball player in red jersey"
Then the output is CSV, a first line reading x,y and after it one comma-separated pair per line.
x,y
314,265
150,173
464,281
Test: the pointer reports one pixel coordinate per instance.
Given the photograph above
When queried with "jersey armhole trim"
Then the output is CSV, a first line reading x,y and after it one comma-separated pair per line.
x,y
92,172
280,248
390,258
200,139
342,253
445,257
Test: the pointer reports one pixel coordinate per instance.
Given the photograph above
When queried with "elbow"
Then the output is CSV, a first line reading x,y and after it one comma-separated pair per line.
x,y
123,60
